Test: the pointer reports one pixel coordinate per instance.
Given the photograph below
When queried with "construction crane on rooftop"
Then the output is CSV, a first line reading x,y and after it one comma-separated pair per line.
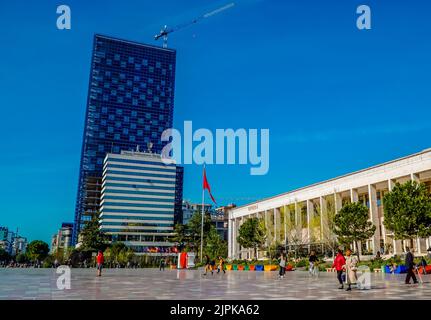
x,y
165,31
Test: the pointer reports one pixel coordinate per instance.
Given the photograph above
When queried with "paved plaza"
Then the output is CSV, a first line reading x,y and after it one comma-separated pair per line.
x,y
191,284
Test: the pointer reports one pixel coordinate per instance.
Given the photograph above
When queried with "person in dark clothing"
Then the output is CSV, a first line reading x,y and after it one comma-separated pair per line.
x,y
410,266
162,264
212,266
313,260
207,264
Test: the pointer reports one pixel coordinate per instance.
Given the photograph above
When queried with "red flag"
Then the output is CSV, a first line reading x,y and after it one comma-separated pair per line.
x,y
207,186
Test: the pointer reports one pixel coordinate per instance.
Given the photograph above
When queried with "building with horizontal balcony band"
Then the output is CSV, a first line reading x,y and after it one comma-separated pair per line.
x,y
130,102
299,219
138,201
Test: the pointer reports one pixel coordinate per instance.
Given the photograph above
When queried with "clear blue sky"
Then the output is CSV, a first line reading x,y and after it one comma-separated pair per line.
x,y
335,99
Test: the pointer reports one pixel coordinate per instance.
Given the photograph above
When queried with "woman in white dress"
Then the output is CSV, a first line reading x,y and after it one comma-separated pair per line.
x,y
351,268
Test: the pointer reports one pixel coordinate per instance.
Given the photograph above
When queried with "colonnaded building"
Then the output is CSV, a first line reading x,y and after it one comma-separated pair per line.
x,y
302,219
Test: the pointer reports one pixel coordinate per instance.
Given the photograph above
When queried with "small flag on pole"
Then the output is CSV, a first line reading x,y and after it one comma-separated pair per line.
x,y
207,186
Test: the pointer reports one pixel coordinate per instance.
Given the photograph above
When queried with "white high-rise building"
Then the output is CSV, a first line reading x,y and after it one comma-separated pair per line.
x,y
138,201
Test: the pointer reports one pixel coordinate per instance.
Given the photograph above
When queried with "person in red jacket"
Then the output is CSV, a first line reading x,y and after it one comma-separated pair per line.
x,y
338,264
99,260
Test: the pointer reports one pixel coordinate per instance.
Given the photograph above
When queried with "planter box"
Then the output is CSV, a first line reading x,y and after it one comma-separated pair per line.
x,y
251,267
173,266
228,267
240,268
289,267
235,267
258,267
270,267
427,270
246,267
401,269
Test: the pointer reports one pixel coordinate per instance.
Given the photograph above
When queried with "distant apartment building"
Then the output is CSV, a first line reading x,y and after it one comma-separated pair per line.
x,y
138,201
63,238
189,209
19,245
11,242
130,102
6,239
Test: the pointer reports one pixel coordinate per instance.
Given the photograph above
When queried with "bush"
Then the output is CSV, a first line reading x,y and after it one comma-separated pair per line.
x,y
21,258
48,262
301,263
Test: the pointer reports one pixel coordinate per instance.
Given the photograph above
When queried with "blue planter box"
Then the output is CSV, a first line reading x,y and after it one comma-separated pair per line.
x,y
387,269
258,267
401,269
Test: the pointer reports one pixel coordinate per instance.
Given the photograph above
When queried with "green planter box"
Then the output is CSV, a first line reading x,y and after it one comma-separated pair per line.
x,y
246,268
234,267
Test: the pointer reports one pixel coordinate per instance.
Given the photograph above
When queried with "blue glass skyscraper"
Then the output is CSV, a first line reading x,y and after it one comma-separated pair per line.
x,y
130,103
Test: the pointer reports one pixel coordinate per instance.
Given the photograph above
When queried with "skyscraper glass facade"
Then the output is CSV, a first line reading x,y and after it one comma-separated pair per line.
x,y
130,103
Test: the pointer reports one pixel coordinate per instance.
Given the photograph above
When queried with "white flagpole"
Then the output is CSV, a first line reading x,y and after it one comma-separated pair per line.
x,y
202,216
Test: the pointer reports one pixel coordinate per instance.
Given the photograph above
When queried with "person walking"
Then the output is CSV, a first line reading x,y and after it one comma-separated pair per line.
x,y
282,265
410,264
212,266
207,264
162,264
99,260
313,261
221,265
351,269
338,264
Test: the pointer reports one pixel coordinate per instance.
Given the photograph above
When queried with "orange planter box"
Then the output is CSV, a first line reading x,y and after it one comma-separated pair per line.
x,y
270,267
251,267
240,268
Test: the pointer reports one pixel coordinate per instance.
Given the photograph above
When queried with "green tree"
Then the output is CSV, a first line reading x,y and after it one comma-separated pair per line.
x,y
252,234
4,256
37,250
181,235
352,224
215,246
194,229
21,258
407,210
93,239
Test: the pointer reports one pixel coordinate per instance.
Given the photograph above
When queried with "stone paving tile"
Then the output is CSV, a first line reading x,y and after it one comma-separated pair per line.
x,y
191,284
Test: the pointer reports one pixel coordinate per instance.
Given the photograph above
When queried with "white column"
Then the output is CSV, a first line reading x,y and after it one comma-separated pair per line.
x,y
415,177
354,197
372,194
233,242
323,217
241,249
267,227
276,225
285,224
338,202
230,237
310,213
